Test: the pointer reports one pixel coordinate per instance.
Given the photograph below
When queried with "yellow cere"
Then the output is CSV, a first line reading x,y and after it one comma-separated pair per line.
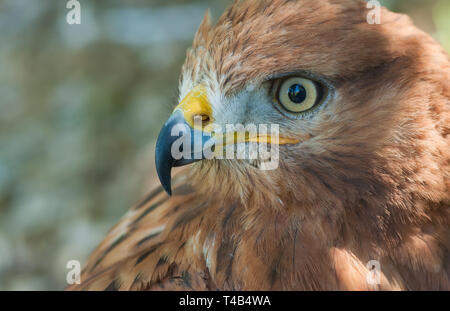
x,y
196,104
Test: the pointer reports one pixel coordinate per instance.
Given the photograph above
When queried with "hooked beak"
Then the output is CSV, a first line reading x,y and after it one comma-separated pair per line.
x,y
190,122
190,127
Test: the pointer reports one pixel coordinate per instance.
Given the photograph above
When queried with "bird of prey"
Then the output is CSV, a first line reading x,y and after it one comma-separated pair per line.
x,y
362,183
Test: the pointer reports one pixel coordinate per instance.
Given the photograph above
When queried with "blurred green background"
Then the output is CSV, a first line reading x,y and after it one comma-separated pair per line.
x,y
80,109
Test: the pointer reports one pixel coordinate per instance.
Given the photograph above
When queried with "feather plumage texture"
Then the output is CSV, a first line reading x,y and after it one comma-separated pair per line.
x,y
372,182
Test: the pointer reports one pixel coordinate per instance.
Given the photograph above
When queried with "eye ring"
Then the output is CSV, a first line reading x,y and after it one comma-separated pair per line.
x,y
298,95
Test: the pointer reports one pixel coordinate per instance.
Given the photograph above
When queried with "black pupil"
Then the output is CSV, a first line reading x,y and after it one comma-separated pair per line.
x,y
297,93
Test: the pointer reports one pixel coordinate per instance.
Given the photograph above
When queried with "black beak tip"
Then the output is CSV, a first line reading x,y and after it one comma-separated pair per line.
x,y
163,167
167,187
165,180
163,158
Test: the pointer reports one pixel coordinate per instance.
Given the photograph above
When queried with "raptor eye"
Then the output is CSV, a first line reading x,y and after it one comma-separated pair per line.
x,y
297,94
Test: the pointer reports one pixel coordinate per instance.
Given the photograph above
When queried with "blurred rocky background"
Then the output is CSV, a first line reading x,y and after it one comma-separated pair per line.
x,y
80,109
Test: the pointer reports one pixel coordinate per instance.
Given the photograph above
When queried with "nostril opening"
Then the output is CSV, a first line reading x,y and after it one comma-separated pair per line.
x,y
203,117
